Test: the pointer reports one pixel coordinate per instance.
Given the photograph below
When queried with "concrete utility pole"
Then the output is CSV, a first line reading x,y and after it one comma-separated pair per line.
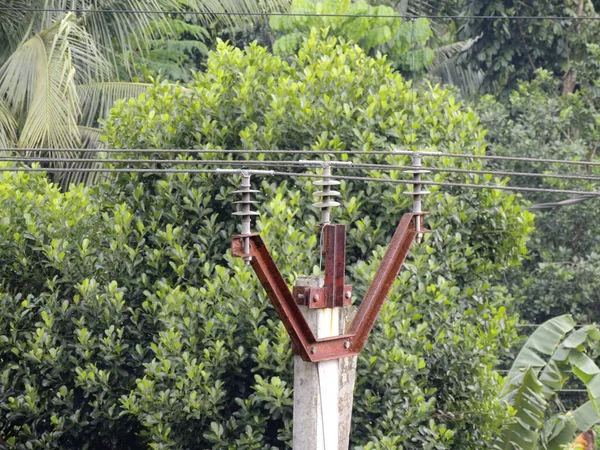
x,y
321,417
323,391
327,333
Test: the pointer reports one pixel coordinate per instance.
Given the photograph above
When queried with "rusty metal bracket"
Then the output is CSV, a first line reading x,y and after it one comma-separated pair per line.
x,y
335,293
285,302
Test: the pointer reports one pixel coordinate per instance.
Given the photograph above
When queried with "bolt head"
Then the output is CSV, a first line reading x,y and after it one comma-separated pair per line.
x,y
316,298
313,350
348,294
347,345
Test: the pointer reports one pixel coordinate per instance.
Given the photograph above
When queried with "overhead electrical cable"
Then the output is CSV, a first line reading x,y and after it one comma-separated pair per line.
x,y
298,14
292,174
316,152
276,163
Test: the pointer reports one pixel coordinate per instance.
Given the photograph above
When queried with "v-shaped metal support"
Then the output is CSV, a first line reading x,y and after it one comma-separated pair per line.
x,y
303,339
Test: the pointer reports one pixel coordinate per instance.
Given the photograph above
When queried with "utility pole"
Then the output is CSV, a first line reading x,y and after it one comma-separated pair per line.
x,y
326,335
324,391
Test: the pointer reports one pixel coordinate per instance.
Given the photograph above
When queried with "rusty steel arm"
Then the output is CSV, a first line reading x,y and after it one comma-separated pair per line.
x,y
305,343
277,291
386,274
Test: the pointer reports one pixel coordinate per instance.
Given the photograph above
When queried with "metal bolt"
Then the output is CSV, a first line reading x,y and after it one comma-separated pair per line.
x,y
300,296
313,350
347,345
348,294
316,298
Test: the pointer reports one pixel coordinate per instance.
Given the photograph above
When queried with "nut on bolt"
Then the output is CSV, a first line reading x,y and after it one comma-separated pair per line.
x,y
347,345
348,294
313,350
316,298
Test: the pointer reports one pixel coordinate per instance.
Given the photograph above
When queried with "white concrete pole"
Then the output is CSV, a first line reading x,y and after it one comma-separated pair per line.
x,y
323,391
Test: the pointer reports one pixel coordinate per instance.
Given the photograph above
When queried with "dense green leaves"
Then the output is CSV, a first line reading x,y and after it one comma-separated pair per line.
x,y
512,50
538,121
167,342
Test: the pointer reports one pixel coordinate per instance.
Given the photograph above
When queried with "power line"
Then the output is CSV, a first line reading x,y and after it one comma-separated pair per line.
x,y
291,174
273,163
298,14
316,152
566,202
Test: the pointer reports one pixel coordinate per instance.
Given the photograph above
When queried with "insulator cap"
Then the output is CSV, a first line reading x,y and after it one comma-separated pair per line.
x,y
246,213
417,171
327,204
246,191
327,194
327,182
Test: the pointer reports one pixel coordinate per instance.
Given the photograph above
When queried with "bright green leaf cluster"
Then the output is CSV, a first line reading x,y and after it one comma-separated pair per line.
x,y
154,337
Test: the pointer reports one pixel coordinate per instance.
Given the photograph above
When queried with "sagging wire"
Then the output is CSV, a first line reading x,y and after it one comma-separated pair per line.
x,y
307,175
297,14
313,152
277,163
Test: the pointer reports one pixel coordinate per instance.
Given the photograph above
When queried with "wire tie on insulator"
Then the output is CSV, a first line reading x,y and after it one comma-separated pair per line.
x,y
417,172
244,210
327,194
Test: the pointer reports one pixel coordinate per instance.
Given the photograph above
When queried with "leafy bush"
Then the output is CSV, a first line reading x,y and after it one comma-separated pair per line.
x,y
138,330
539,121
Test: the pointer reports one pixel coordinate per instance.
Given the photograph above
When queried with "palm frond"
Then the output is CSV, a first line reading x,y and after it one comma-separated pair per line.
x,y
447,67
124,34
15,24
91,140
38,83
97,99
451,51
8,127
216,8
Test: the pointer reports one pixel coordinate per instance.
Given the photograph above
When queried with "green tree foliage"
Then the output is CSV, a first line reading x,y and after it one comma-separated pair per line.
x,y
126,324
512,50
402,41
554,353
539,121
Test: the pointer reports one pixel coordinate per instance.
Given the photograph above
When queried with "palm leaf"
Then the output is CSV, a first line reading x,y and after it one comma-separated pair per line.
x,y
97,99
586,416
37,82
8,127
524,394
90,140
217,8
446,66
